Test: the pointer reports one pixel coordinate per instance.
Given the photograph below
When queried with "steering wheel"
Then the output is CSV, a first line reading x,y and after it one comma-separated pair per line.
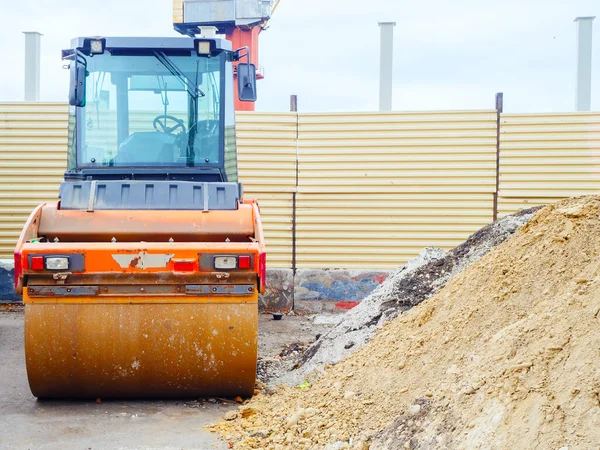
x,y
162,127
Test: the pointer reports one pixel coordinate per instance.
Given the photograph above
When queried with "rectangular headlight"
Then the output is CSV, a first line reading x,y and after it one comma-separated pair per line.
x,y
205,47
96,47
57,263
225,262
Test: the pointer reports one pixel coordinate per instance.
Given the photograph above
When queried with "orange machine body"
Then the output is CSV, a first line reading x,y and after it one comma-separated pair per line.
x,y
141,311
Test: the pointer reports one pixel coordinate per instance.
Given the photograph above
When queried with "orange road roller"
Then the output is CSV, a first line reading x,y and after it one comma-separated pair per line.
x,y
142,280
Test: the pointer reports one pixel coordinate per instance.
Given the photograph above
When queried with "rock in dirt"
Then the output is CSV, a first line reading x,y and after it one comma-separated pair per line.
x,y
247,411
509,350
231,415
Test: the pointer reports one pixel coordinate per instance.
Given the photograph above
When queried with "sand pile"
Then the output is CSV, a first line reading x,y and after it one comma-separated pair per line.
x,y
411,284
507,355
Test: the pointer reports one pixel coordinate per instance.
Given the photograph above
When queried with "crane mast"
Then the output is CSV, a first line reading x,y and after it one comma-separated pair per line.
x,y
241,21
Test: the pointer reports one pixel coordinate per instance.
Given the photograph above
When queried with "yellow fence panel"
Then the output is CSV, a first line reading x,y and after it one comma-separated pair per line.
x,y
276,211
507,205
383,230
549,155
267,169
33,159
546,157
398,152
375,188
267,151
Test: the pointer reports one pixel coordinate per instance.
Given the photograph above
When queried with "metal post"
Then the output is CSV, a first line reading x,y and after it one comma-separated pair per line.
x,y
294,109
386,65
499,111
293,103
583,97
32,65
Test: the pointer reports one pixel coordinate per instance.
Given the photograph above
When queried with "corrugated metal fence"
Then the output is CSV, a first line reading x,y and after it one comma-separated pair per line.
x,y
374,189
33,146
546,157
267,167
362,190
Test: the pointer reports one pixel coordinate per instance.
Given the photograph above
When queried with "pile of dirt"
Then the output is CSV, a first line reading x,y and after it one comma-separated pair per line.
x,y
413,283
505,356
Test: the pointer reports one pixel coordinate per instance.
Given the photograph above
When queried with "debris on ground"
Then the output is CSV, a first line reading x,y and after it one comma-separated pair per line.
x,y
203,402
412,283
278,355
267,368
506,355
11,307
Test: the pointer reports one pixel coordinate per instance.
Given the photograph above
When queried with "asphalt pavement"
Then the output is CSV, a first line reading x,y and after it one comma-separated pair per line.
x,y
26,423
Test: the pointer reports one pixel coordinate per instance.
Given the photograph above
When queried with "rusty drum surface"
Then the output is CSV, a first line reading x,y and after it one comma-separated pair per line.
x,y
119,349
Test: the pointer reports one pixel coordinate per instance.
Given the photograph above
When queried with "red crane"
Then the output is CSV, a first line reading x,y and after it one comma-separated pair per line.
x,y
241,21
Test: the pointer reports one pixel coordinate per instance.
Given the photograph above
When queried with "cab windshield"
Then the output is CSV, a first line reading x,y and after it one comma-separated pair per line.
x,y
156,109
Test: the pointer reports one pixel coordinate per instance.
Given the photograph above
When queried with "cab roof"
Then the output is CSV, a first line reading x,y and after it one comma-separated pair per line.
x,y
176,43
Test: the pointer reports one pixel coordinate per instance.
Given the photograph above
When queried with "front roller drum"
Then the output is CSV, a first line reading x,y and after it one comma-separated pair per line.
x,y
141,350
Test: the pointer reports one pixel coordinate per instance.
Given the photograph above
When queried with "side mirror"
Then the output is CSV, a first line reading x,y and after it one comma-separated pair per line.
x,y
77,88
246,74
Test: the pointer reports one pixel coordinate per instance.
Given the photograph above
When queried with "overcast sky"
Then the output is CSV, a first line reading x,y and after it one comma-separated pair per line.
x,y
448,54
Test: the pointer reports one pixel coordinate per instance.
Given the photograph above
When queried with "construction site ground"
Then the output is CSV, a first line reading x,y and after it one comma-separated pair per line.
x,y
26,423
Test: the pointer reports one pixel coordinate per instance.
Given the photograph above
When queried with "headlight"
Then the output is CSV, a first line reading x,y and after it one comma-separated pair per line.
x,y
57,263
205,47
96,47
225,262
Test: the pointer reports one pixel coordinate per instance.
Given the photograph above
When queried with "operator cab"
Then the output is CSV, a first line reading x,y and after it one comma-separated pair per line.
x,y
154,108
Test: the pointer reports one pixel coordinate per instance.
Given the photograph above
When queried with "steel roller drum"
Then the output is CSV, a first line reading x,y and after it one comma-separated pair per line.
x,y
146,349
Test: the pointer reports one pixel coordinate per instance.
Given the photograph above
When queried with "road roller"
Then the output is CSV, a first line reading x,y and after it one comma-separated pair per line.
x,y
142,279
